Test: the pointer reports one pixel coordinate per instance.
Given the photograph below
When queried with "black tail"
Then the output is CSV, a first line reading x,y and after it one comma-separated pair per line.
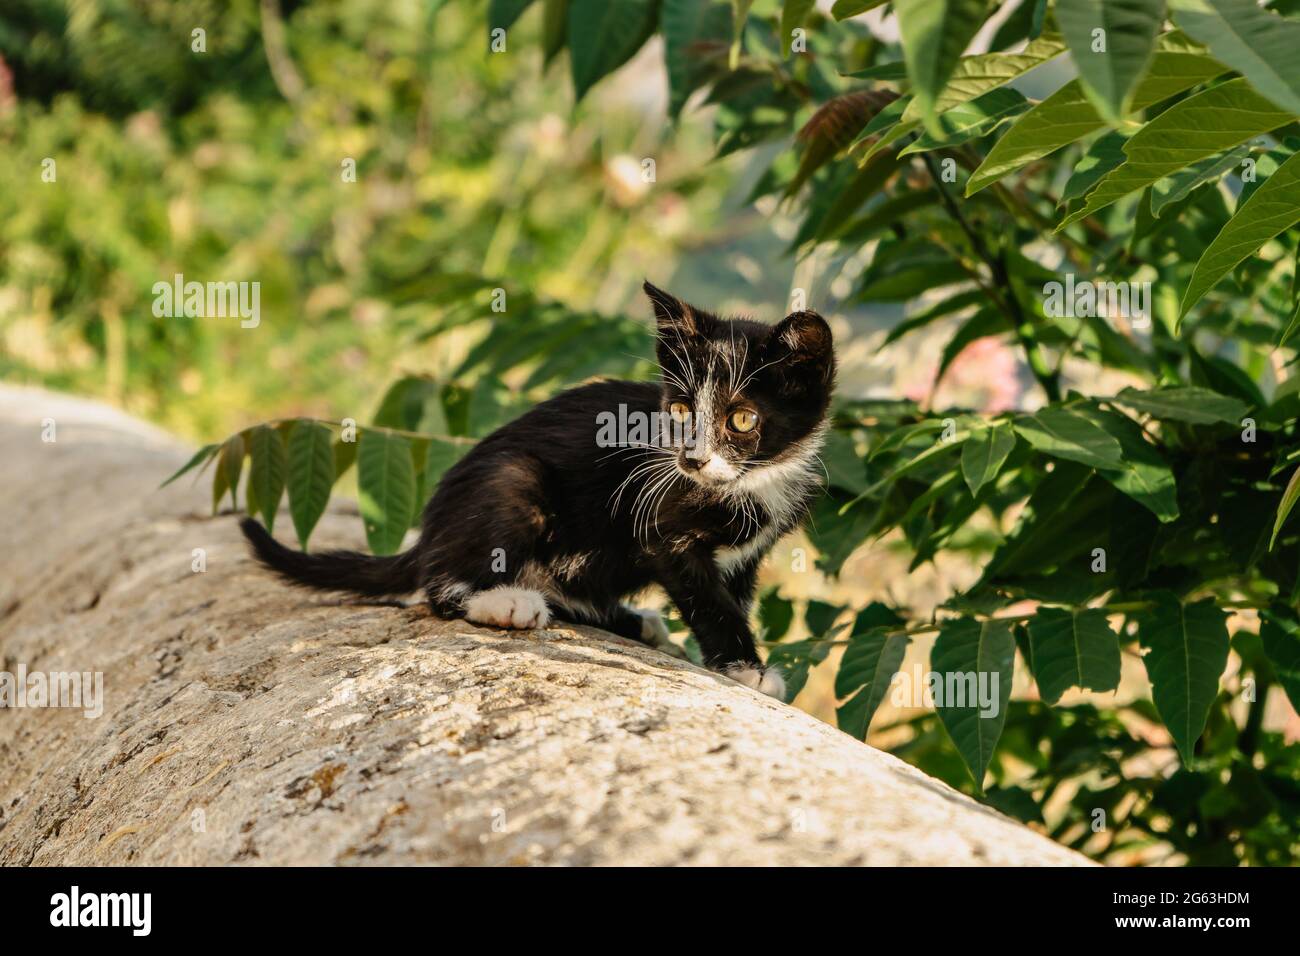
x,y
335,570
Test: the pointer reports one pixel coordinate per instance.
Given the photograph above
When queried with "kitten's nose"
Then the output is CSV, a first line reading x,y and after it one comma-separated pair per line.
x,y
691,463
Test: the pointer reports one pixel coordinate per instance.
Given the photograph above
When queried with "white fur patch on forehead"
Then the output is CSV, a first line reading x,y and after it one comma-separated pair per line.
x,y
705,396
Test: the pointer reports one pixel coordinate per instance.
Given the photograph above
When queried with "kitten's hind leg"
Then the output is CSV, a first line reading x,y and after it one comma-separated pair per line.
x,y
480,532
644,625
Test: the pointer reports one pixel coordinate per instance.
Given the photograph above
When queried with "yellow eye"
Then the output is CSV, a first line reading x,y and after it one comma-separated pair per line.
x,y
743,420
680,411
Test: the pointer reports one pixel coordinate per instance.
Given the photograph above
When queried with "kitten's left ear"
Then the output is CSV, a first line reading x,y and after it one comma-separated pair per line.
x,y
802,340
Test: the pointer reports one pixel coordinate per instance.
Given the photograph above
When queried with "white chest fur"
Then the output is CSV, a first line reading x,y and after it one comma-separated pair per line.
x,y
780,489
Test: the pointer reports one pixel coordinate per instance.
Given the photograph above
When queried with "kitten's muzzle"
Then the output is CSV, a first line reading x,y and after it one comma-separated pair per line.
x,y
706,470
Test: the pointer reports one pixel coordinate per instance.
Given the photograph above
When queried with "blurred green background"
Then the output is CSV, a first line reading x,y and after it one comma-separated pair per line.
x,y
214,165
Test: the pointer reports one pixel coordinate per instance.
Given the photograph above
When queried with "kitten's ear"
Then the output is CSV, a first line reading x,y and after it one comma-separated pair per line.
x,y
802,342
670,311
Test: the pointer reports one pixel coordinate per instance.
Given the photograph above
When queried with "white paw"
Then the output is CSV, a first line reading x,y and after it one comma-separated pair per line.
x,y
655,632
508,607
764,680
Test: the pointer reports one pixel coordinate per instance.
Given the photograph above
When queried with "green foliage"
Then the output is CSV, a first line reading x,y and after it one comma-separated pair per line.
x,y
170,161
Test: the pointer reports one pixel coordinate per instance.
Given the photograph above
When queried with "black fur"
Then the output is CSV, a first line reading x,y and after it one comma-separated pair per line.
x,y
540,505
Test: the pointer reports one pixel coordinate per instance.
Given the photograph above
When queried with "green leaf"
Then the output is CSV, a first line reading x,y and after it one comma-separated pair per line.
x,y
688,27
1271,209
941,446
386,488
793,16
1259,45
886,119
819,616
438,457
1064,434
1198,406
412,403
984,454
311,476
1187,650
1067,115
1173,189
740,15
1102,156
555,19
868,666
837,536
1144,476
843,463
775,614
978,74
843,9
1292,325
967,121
504,13
1202,125
230,464
1280,634
1110,73
1284,507
935,33
955,303
200,456
1073,649
882,71
971,656
266,472
794,661
604,34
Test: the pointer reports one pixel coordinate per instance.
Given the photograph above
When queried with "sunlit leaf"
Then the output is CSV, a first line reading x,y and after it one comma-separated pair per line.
x,y
1067,115
1213,120
935,33
1073,649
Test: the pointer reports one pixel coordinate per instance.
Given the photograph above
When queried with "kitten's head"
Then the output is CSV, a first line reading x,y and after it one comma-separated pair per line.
x,y
751,397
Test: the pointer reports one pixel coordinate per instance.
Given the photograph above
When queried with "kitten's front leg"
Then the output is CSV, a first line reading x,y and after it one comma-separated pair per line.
x,y
716,618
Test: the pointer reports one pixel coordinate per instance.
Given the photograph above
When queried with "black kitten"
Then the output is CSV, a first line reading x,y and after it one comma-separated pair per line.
x,y
610,487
